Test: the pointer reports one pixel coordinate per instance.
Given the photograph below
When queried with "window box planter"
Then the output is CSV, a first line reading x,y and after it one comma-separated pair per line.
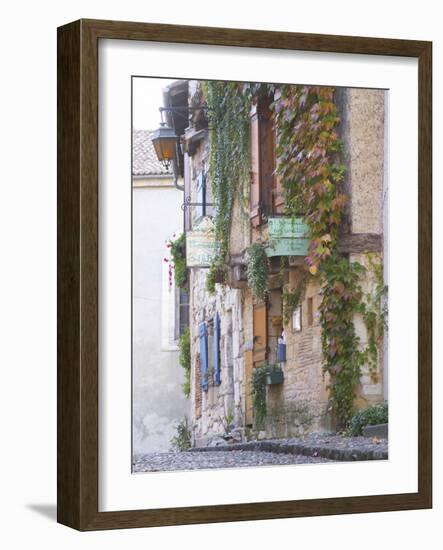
x,y
274,377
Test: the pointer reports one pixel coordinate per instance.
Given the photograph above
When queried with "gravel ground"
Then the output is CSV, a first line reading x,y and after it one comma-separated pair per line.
x,y
158,462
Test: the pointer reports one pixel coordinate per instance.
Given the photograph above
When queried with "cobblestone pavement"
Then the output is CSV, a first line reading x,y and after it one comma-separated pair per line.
x,y
330,446
158,462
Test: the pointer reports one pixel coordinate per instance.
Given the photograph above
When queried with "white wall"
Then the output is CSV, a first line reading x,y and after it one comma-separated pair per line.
x,y
158,400
28,274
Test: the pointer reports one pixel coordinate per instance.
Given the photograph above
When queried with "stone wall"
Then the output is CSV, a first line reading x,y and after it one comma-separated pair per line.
x,y
300,404
214,408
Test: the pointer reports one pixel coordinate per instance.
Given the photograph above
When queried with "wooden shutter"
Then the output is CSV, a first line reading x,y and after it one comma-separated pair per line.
x,y
260,330
266,191
267,157
255,208
203,337
216,351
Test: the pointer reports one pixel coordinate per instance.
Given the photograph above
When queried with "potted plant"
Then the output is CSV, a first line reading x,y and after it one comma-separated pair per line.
x,y
274,375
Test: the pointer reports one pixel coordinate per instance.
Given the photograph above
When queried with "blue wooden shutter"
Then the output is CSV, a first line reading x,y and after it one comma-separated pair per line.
x,y
216,350
201,195
203,337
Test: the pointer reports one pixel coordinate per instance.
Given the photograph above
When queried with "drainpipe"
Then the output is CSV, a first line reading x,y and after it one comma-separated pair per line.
x,y
174,173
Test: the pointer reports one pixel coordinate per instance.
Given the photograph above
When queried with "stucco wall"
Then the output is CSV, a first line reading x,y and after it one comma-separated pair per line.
x,y
158,401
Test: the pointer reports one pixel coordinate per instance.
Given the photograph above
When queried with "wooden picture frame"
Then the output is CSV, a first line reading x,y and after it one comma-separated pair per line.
x,y
77,458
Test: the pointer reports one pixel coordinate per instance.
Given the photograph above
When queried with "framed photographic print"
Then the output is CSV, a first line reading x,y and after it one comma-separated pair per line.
x,y
242,217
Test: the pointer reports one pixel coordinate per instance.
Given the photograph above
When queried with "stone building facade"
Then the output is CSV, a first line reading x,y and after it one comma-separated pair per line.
x,y
232,333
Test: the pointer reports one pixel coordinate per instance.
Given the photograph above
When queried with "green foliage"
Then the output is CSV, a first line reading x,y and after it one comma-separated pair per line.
x,y
342,358
257,269
229,156
309,164
310,168
216,274
182,441
210,278
227,421
375,314
184,358
258,391
178,253
375,414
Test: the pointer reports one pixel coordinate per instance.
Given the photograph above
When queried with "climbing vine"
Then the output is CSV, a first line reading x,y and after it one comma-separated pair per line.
x,y
257,269
374,311
308,149
184,358
342,357
177,248
258,391
311,171
228,110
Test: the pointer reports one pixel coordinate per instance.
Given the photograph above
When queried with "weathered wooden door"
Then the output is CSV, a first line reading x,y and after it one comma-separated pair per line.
x,y
256,356
260,331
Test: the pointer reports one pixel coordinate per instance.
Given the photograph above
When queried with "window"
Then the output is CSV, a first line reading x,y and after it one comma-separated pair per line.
x,y
296,319
183,310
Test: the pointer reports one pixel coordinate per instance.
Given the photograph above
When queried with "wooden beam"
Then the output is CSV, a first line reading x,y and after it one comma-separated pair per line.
x,y
360,243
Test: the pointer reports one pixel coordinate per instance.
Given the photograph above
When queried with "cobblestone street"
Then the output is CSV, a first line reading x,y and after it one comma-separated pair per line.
x,y
312,449
157,462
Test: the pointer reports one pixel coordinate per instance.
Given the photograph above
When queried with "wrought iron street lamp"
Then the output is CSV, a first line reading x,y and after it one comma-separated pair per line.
x,y
165,143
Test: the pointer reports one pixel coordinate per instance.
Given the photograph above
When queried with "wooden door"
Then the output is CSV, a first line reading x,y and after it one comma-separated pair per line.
x,y
260,331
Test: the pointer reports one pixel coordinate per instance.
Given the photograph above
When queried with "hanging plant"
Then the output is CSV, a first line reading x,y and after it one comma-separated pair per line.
x,y
177,263
257,269
184,358
229,161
